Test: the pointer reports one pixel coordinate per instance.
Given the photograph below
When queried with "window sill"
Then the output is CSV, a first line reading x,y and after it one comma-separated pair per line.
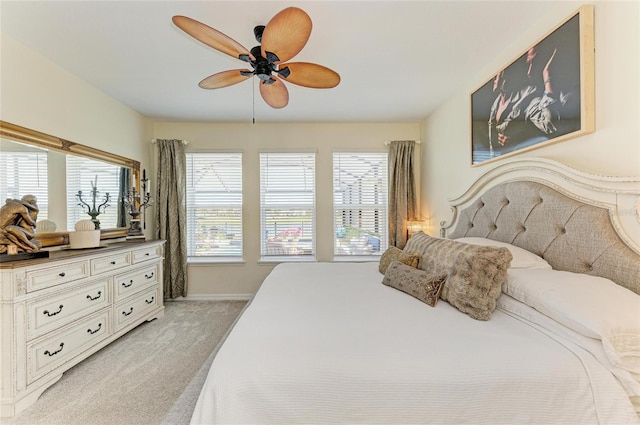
x,y
216,261
287,259
356,259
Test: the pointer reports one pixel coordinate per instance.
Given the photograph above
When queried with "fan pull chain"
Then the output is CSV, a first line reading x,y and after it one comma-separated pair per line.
x,y
253,106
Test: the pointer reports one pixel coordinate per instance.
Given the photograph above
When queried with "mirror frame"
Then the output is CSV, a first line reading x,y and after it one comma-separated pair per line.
x,y
27,136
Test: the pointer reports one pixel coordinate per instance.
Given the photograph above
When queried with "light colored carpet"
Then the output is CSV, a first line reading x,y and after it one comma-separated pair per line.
x,y
141,378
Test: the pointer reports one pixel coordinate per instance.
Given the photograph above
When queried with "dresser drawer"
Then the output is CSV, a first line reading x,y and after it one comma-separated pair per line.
x,y
133,281
48,353
135,307
110,263
44,315
149,253
57,275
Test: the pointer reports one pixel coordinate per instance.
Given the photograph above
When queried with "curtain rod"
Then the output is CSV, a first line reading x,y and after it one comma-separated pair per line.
x,y
388,142
184,142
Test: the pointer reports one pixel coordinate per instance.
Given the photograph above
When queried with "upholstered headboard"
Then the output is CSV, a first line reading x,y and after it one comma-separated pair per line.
x,y
577,222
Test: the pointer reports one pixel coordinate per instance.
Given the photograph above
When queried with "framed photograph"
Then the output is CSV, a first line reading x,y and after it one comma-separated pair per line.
x,y
544,96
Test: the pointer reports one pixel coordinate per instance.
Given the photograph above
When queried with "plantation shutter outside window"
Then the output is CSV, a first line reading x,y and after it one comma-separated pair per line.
x,y
25,173
360,200
81,174
214,204
287,204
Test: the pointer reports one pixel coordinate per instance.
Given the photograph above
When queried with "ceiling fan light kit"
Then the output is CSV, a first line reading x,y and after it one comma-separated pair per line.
x,y
280,40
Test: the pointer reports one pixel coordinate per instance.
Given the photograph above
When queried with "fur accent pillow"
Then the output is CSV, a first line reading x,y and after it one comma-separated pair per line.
x,y
393,253
475,274
420,284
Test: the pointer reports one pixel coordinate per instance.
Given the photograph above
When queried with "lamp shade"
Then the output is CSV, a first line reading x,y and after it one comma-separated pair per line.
x,y
414,226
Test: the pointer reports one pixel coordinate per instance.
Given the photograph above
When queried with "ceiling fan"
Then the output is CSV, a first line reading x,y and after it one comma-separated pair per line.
x,y
281,39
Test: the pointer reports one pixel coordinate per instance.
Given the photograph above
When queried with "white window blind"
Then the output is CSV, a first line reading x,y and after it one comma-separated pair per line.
x,y
25,173
83,174
360,200
214,204
287,204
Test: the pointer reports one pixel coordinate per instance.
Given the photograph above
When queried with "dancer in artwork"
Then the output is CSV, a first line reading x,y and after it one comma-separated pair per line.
x,y
525,110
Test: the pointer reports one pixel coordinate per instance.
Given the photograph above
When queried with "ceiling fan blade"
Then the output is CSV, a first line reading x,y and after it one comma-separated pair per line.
x,y
275,94
211,37
311,75
225,78
286,33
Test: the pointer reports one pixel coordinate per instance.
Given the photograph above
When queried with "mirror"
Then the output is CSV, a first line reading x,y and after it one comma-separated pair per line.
x,y
55,154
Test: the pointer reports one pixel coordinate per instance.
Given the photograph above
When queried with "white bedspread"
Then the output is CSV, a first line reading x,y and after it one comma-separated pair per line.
x,y
328,343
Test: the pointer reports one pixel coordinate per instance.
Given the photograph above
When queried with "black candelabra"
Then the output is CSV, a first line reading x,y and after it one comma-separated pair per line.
x,y
95,209
138,202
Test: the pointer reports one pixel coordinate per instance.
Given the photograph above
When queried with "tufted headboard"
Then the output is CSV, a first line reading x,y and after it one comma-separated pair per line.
x,y
576,222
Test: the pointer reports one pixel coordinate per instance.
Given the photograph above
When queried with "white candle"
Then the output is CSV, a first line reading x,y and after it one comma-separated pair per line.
x,y
148,186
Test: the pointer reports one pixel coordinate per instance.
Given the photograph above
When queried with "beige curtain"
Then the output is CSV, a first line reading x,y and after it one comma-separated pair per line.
x,y
171,213
402,190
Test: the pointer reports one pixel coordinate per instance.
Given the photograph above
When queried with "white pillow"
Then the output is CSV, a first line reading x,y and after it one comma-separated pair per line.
x,y
590,305
522,259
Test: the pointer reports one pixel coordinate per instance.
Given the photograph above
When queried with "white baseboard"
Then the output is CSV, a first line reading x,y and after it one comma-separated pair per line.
x,y
212,297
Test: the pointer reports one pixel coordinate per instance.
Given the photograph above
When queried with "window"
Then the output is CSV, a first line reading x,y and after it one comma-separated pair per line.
x,y
360,201
214,204
287,204
83,174
31,168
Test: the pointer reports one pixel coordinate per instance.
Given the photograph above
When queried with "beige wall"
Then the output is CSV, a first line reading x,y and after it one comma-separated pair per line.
x,y
613,149
40,95
210,280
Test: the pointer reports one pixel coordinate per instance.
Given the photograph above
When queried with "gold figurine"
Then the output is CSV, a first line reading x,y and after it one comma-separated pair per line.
x,y
18,224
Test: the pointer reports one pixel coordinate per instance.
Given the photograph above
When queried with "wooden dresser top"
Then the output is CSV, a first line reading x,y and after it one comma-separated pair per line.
x,y
66,253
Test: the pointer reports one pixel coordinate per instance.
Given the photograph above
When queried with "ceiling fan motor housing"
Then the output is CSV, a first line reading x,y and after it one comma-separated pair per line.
x,y
261,66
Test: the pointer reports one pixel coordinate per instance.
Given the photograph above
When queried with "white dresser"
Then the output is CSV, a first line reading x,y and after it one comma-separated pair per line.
x,y
55,312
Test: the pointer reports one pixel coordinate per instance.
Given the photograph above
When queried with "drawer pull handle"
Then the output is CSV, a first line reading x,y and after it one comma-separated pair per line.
x,y
127,314
113,262
89,297
53,314
130,283
150,301
63,274
149,276
50,354
92,332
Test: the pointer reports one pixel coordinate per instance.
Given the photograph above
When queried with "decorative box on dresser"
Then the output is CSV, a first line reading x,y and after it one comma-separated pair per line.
x,y
57,311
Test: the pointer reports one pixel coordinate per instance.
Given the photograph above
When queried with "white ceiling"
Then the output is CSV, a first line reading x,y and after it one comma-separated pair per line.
x,y
398,60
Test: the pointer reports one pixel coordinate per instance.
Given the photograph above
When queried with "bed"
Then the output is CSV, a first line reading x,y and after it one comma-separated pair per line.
x,y
558,343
